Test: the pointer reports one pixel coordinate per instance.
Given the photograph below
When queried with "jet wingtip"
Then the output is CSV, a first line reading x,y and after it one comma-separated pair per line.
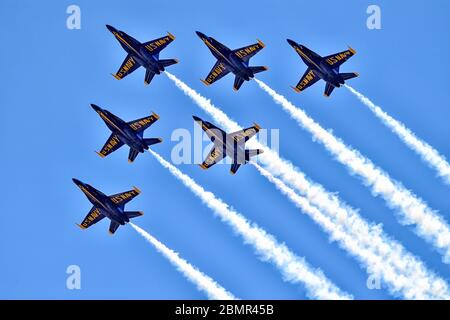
x,y
171,36
155,115
261,43
80,226
116,76
204,82
233,173
203,166
353,51
136,189
257,126
101,155
295,89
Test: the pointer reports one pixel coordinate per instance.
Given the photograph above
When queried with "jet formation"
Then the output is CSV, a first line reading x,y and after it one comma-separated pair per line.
x,y
230,145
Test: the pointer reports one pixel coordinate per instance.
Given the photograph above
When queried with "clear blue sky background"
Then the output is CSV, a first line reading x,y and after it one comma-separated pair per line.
x,y
49,133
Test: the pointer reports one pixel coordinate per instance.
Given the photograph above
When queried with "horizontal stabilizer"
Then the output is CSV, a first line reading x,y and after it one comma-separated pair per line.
x,y
132,155
148,76
252,153
256,70
151,141
133,214
234,167
168,62
328,89
113,227
350,75
238,81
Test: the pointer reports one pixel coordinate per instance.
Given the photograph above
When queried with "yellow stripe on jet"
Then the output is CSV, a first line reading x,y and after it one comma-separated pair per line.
x,y
110,122
125,42
305,56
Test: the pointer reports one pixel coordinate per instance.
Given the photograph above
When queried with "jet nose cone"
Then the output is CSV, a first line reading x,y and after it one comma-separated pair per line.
x,y
291,42
201,35
197,119
96,108
110,28
77,182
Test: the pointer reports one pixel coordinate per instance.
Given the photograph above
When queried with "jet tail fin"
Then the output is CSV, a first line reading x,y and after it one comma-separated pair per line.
x,y
258,69
151,141
168,62
350,75
133,214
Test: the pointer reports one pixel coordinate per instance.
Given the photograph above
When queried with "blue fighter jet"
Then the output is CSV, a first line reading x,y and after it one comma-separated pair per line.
x,y
228,60
142,54
129,133
111,207
326,68
231,145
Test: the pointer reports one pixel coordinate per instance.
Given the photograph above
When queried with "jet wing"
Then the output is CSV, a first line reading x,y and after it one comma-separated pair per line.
x,y
141,124
245,53
92,218
120,199
335,60
155,46
308,79
127,67
112,144
218,71
215,155
245,134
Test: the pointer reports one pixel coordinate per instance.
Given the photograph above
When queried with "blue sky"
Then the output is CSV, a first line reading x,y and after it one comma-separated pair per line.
x,y
49,134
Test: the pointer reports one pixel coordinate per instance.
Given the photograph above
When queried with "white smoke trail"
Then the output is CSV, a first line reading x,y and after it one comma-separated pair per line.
x,y
413,210
378,261
428,154
327,202
204,283
294,269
